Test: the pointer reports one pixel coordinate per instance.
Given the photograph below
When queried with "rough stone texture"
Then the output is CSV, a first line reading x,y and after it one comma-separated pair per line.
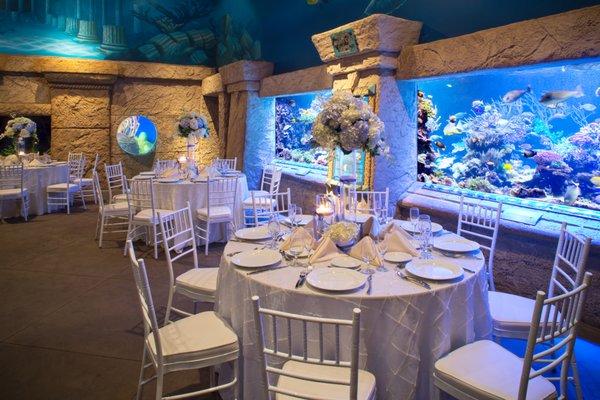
x,y
86,140
140,70
236,129
568,35
23,89
377,32
25,108
362,62
245,71
301,81
212,85
253,86
303,191
260,137
80,108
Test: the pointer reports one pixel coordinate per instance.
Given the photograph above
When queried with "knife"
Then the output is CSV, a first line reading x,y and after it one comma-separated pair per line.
x,y
414,280
258,271
301,279
370,282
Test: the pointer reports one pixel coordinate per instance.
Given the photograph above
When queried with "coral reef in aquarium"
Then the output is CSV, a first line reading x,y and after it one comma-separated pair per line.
x,y
513,141
294,117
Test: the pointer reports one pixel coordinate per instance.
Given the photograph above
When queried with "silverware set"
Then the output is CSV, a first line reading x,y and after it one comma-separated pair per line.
x,y
301,279
412,279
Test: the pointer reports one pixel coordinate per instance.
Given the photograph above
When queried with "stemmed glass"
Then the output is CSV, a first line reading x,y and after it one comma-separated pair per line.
x,y
425,236
292,214
382,249
367,258
274,229
296,248
414,219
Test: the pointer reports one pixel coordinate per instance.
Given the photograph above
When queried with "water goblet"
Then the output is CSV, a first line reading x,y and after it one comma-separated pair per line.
x,y
367,258
382,249
274,229
298,216
414,218
296,248
425,236
292,214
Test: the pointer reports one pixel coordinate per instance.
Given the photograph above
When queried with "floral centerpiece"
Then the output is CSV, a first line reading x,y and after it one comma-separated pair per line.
x,y
192,126
23,132
342,233
348,122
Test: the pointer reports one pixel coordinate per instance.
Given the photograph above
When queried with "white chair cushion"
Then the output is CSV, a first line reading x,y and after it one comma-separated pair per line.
x,y
510,312
147,216
259,201
62,187
199,336
118,198
215,212
115,209
366,382
486,370
12,193
199,280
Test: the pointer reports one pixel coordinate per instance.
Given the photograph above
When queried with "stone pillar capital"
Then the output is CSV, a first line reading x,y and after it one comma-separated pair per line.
x,y
244,75
80,81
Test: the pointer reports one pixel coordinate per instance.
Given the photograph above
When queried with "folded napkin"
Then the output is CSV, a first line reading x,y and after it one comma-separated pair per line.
x,y
11,159
300,234
170,173
209,172
326,251
393,227
36,163
371,228
396,241
366,246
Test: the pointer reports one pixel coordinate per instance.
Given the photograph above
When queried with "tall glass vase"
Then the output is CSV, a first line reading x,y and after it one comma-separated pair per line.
x,y
191,149
347,172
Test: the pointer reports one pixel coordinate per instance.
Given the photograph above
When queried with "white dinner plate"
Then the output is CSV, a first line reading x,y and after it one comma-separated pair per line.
x,y
258,233
434,269
302,220
149,173
408,227
345,262
168,180
455,244
256,258
397,257
336,279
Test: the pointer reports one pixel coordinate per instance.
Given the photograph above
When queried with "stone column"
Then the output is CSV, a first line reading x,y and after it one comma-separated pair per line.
x,y
369,68
87,27
113,36
247,130
80,105
72,23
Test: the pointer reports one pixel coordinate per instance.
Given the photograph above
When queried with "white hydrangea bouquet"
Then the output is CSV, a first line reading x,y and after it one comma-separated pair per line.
x,y
20,129
342,233
349,122
192,124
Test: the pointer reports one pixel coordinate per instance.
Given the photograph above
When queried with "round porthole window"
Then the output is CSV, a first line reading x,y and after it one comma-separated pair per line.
x,y
137,135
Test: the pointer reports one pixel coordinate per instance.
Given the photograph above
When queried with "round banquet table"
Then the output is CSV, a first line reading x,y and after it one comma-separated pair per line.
x,y
36,179
174,196
405,328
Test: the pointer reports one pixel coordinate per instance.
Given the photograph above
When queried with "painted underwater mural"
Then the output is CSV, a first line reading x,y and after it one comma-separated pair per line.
x,y
531,133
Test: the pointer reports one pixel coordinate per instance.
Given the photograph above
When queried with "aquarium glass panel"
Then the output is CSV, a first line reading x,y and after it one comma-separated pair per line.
x,y
530,133
137,135
294,116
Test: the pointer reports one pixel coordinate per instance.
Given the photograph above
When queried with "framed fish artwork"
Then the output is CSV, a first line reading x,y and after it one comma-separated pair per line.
x,y
344,43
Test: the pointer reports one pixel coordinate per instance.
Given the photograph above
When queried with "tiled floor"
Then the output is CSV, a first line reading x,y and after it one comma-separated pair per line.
x,y
70,323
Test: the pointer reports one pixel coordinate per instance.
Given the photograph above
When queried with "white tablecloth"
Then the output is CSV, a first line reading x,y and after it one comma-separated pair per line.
x,y
404,328
36,179
173,196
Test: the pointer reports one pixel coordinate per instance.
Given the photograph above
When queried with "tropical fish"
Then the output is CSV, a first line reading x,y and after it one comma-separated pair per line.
x,y
557,115
529,153
445,162
514,95
451,129
458,147
551,99
587,107
383,6
450,85
452,118
508,167
460,115
421,158
572,193
490,164
595,180
435,137
440,145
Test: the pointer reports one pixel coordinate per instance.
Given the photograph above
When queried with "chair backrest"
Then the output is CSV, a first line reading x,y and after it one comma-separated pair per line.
x,y
569,262
274,349
177,230
480,223
142,194
74,157
266,205
95,165
271,178
116,179
11,177
145,298
369,201
97,189
221,192
555,319
76,167
162,165
225,163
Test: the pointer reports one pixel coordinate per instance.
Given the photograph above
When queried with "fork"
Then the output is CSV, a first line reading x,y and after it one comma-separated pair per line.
x,y
416,281
370,282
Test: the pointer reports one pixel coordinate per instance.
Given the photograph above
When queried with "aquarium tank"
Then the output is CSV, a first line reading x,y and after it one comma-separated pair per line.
x,y
294,116
529,133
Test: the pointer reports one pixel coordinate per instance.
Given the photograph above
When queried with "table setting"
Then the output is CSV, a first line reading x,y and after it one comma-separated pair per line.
x,y
424,298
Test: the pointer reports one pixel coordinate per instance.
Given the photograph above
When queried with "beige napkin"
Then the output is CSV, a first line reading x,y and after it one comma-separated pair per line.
x,y
393,227
209,171
326,250
364,247
298,234
170,173
371,227
36,163
396,241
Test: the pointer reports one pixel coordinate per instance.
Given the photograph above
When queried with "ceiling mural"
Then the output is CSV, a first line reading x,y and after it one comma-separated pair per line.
x,y
218,32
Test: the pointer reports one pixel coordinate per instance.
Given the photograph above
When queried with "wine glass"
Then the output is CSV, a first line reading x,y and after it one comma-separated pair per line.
x,y
274,229
414,218
296,248
298,216
292,214
382,249
367,258
425,236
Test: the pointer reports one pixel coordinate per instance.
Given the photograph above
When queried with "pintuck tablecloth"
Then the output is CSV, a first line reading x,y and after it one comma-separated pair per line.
x,y
174,196
405,328
36,179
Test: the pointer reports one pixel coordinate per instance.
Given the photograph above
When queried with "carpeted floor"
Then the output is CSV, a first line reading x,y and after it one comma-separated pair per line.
x,y
70,325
